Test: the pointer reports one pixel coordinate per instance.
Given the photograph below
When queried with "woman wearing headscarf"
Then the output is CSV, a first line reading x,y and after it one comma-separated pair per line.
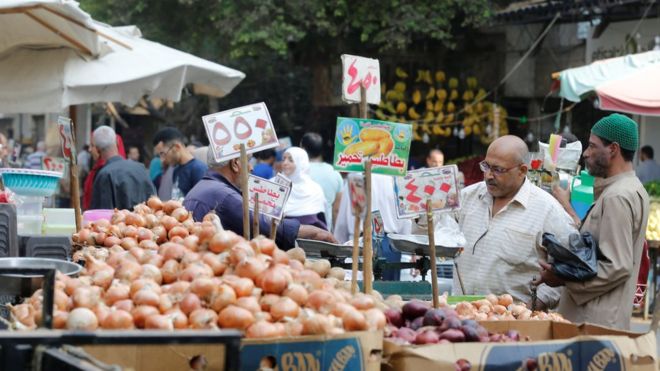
x,y
98,164
306,202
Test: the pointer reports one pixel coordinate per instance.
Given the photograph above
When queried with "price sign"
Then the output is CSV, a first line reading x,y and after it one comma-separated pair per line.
x,y
387,143
357,193
66,138
440,184
53,164
358,71
377,224
250,125
272,196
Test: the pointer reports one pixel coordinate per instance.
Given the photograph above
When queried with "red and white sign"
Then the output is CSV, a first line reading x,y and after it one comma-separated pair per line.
x,y
438,184
358,71
250,125
272,196
66,138
57,164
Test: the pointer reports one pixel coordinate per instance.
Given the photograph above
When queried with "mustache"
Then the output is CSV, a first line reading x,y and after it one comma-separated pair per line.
x,y
491,182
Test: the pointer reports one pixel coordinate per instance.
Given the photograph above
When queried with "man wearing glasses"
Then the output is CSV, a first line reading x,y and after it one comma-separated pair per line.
x,y
503,218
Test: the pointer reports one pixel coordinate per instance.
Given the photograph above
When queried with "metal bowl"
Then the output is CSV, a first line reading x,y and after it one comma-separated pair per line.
x,y
25,284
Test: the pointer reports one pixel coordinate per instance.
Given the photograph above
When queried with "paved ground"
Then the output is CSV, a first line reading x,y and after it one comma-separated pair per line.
x,y
639,325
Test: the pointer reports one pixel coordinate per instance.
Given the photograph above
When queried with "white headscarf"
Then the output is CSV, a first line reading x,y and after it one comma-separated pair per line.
x,y
306,195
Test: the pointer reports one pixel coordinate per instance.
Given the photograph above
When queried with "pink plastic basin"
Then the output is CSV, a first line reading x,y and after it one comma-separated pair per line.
x,y
94,215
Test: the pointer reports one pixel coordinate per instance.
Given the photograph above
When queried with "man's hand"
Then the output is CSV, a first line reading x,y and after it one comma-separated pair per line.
x,y
562,195
310,232
540,305
548,276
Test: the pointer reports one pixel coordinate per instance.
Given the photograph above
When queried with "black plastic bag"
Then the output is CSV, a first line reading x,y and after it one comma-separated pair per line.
x,y
577,262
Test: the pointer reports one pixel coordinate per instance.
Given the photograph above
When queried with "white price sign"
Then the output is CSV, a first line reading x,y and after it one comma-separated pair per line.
x,y
250,125
358,71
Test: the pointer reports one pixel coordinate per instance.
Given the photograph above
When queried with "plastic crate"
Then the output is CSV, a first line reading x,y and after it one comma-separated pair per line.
x,y
59,222
8,231
29,205
29,225
53,247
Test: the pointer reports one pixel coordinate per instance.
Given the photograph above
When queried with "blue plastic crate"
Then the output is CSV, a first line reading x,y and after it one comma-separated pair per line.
x,y
30,182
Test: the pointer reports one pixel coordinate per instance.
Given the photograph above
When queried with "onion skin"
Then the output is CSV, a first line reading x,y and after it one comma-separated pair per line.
x,y
82,319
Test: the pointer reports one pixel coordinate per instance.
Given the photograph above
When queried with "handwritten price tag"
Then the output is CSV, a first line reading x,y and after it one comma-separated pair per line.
x,y
250,125
440,184
358,71
386,143
53,164
66,138
272,196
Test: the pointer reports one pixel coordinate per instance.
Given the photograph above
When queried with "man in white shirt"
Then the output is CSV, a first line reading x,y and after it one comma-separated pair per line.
x,y
502,219
648,170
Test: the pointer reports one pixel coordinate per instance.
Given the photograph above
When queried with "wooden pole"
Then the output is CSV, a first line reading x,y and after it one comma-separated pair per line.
x,y
273,228
74,182
356,253
245,192
434,266
255,216
367,253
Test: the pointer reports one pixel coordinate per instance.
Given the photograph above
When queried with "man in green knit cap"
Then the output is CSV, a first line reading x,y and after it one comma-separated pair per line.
x,y
617,220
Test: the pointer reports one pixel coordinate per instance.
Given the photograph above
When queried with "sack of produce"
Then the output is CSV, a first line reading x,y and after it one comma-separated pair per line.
x,y
578,261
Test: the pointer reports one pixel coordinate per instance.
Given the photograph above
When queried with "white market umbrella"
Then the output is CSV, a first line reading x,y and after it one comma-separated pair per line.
x,y
36,80
49,23
625,84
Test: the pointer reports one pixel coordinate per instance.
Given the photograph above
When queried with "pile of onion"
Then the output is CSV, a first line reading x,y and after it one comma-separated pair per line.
x,y
156,268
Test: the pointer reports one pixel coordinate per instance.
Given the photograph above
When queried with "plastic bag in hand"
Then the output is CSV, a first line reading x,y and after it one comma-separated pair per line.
x,y
578,261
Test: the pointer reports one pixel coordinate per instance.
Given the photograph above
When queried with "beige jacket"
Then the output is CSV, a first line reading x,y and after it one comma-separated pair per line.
x,y
617,221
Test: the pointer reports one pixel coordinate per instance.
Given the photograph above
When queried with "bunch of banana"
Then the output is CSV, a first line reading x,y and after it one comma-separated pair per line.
x,y
380,114
424,76
440,76
449,118
417,96
453,95
653,224
437,129
481,94
428,117
441,94
389,106
426,128
393,95
413,114
451,107
453,83
401,73
468,95
400,86
438,106
415,132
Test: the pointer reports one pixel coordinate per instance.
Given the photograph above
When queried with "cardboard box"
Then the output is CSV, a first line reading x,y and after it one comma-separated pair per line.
x,y
350,351
553,346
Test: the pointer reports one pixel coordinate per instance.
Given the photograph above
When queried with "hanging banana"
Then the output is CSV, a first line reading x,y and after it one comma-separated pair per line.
x,y
417,96
413,114
428,117
400,86
431,93
400,73
429,106
401,107
380,115
438,106
453,95
442,94
440,76
453,83
451,107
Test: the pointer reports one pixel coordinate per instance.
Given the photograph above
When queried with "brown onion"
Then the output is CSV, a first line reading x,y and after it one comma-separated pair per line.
x,y
82,319
118,320
118,291
146,297
194,271
354,320
273,281
203,319
144,234
170,271
285,307
263,245
140,313
128,270
261,329
250,303
158,322
223,296
111,241
168,222
251,268
215,262
296,292
242,286
191,242
59,319
223,240
190,303
160,233
126,304
179,319
235,317
144,284
202,287
155,203
179,231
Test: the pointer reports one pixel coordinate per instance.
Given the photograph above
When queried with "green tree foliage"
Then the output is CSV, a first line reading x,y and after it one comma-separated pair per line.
x,y
271,40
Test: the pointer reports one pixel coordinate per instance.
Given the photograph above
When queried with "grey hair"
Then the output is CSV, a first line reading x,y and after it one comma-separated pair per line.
x,y
212,163
104,137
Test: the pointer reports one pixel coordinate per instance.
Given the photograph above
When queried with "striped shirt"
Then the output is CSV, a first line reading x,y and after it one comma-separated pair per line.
x,y
501,251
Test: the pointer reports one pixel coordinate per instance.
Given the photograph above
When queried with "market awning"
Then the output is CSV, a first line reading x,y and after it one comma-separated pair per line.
x,y
625,84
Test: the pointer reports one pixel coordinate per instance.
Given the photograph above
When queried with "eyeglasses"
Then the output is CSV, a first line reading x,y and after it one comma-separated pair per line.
x,y
163,153
496,170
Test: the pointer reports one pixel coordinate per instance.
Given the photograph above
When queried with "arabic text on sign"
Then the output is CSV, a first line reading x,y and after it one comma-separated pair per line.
x,y
354,85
